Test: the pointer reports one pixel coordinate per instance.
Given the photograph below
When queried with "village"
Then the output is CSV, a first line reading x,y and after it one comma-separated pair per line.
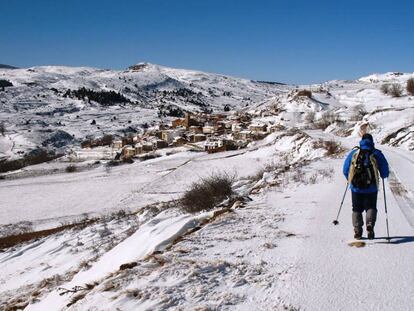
x,y
199,132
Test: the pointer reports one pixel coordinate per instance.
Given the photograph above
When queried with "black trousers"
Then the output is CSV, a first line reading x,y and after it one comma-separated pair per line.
x,y
364,202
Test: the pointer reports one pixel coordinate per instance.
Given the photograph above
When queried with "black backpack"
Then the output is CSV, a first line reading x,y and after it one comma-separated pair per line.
x,y
364,175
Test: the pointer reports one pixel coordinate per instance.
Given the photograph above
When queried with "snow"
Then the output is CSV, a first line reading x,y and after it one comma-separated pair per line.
x,y
333,276
153,236
275,249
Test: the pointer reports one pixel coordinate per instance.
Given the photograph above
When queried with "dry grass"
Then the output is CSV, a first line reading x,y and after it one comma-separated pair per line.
x,y
207,193
71,169
332,147
410,86
310,117
396,90
358,113
327,119
2,128
13,240
385,88
257,176
304,93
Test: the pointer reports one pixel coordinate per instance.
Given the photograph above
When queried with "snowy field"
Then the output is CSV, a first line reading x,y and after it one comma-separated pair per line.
x,y
272,247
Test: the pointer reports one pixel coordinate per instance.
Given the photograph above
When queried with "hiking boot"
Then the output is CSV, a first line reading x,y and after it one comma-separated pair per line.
x,y
358,233
371,233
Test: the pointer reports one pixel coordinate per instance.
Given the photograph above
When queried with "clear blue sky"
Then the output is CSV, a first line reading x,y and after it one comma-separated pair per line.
x,y
288,41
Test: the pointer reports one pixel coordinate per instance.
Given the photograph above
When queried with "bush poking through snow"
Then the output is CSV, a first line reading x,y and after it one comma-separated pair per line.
x,y
385,88
410,86
257,176
207,193
71,169
310,117
149,156
36,156
327,119
396,90
358,113
304,93
332,147
4,84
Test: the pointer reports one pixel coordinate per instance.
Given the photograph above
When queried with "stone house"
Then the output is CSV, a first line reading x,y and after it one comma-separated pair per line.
x,y
159,144
169,135
128,152
195,138
117,144
258,127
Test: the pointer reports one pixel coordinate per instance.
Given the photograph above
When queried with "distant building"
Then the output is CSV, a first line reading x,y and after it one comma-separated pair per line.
x,y
195,129
214,145
245,135
159,144
275,128
235,127
138,149
169,135
208,129
128,152
147,146
179,141
219,144
258,127
177,123
195,138
117,144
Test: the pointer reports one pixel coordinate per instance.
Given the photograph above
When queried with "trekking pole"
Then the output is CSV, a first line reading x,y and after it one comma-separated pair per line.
x,y
386,212
336,222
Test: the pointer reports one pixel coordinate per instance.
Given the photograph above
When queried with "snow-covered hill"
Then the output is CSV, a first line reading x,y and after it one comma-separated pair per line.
x,y
118,238
39,104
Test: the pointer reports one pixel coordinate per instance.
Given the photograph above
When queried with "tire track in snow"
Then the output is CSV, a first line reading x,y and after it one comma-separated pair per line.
x,y
402,196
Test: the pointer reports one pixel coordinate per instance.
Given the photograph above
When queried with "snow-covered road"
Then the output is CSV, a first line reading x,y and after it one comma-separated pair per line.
x,y
330,274
334,276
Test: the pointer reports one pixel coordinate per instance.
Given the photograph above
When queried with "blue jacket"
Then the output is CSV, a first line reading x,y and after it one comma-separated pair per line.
x,y
366,144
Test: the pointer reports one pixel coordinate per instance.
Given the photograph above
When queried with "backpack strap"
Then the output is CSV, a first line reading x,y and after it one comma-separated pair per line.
x,y
353,164
374,164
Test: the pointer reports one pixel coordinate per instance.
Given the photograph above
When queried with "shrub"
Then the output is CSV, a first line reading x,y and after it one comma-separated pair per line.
x,y
396,90
332,147
36,156
358,112
327,119
310,117
5,83
207,193
13,165
149,156
127,160
385,88
2,128
71,169
257,176
410,86
304,93
112,163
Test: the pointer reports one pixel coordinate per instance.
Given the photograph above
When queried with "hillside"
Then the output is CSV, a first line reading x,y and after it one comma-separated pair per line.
x,y
108,238
44,100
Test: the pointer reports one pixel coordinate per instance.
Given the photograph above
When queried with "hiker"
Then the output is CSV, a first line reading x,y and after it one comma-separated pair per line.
x,y
362,167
